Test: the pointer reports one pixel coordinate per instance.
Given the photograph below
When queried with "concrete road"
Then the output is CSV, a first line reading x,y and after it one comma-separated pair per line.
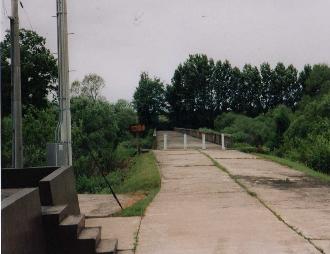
x,y
201,209
301,201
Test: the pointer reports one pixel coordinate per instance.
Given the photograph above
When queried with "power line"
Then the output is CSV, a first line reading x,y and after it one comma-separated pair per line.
x,y
5,12
26,13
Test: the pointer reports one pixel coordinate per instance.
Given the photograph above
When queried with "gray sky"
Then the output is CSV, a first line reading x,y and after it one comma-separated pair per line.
x,y
118,39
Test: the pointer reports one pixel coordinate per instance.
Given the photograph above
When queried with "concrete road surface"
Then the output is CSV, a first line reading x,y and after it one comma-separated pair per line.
x,y
201,209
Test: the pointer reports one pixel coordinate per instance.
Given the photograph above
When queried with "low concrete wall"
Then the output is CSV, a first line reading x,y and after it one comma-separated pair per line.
x,y
24,177
210,137
59,188
21,223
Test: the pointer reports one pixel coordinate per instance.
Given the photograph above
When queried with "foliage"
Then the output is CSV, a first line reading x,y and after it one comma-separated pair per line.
x,y
94,135
281,117
202,90
38,130
125,116
6,141
91,86
210,131
308,137
38,71
297,166
189,96
318,81
143,177
224,120
257,131
302,135
149,100
246,148
264,130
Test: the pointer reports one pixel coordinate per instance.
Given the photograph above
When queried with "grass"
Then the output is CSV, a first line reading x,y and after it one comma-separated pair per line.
x,y
143,177
297,166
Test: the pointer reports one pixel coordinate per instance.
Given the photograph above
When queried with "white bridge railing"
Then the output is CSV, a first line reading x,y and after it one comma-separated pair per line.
x,y
222,139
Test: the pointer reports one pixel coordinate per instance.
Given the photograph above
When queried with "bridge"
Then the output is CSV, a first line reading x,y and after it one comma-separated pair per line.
x,y
226,201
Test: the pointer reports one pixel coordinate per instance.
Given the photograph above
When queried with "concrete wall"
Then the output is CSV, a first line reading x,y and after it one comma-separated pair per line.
x,y
59,188
21,223
24,177
22,230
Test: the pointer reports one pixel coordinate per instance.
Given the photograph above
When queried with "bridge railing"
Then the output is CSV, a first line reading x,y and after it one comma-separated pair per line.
x,y
210,137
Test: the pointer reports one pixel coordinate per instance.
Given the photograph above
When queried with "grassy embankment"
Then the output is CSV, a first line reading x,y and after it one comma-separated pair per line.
x,y
297,166
143,177
285,162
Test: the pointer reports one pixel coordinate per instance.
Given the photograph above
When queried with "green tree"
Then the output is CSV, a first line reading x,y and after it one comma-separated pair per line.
x,y
318,80
38,129
251,90
293,88
193,93
308,137
221,83
94,135
267,79
125,115
149,100
38,71
282,117
224,120
91,86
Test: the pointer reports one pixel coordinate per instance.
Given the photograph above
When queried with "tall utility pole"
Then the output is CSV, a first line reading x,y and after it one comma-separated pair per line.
x,y
17,150
63,79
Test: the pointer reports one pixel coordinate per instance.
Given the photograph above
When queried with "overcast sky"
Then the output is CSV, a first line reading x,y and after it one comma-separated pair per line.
x,y
118,39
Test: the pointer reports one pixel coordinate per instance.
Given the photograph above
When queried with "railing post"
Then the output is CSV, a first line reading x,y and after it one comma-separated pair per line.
x,y
185,141
165,141
223,141
203,141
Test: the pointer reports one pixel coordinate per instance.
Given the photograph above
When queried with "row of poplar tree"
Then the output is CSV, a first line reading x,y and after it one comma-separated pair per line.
x,y
201,89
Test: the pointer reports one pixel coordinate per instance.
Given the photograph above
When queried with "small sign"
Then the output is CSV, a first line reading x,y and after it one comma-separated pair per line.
x,y
137,128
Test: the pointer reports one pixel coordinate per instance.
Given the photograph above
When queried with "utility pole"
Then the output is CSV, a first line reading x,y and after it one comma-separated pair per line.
x,y
17,151
63,79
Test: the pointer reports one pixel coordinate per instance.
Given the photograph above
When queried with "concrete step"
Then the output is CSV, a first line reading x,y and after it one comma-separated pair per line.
x,y
88,239
51,218
71,227
53,215
107,246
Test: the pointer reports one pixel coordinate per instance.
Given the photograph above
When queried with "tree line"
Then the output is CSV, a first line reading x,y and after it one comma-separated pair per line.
x,y
202,88
275,110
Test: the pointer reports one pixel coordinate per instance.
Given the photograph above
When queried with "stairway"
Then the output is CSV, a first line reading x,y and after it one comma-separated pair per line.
x,y
67,234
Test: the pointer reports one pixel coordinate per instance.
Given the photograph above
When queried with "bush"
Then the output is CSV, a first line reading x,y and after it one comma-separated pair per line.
x,y
308,137
94,135
224,120
244,147
6,141
38,130
257,131
282,117
96,184
318,155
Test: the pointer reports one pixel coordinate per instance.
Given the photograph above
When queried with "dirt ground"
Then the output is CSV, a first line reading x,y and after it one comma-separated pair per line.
x,y
104,205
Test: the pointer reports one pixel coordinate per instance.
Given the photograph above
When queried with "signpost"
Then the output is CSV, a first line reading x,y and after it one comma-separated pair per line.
x,y
137,129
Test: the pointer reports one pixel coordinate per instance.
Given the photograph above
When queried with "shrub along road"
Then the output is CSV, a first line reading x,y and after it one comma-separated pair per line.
x,y
230,202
